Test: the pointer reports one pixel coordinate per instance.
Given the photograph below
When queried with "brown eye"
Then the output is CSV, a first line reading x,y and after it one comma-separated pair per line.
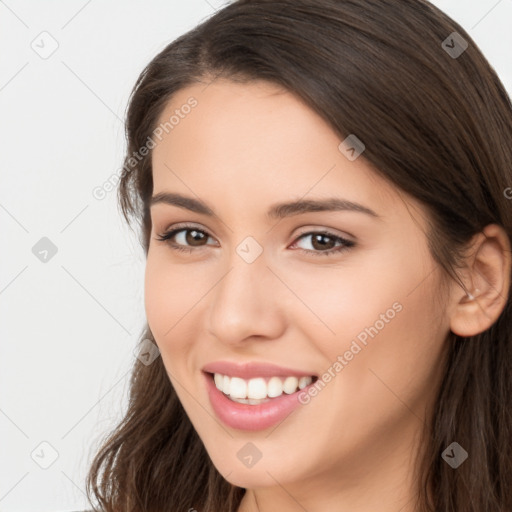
x,y
324,243
185,238
195,237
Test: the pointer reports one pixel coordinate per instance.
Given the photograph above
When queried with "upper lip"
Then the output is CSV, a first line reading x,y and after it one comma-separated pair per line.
x,y
253,369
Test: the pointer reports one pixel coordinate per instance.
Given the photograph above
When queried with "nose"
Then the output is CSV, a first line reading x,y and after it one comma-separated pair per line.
x,y
246,303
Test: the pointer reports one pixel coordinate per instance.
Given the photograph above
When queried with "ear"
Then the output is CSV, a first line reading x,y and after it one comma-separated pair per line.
x,y
488,281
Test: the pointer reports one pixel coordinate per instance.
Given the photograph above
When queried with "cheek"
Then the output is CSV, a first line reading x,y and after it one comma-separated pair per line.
x,y
165,305
394,369
337,304
174,298
380,316
166,297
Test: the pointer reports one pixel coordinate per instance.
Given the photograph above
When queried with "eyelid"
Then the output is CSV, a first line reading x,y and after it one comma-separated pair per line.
x,y
320,229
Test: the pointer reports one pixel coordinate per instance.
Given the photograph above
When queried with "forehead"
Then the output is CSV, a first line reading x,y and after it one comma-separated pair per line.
x,y
256,142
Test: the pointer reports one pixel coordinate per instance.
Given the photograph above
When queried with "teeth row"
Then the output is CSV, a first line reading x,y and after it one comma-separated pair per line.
x,y
259,388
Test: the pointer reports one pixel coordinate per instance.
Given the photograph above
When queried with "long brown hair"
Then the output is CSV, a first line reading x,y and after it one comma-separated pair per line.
x,y
436,124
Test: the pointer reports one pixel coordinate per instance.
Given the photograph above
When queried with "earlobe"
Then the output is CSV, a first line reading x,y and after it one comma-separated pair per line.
x,y
488,275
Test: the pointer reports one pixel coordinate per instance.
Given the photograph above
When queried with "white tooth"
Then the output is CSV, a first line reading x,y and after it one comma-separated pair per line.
x,y
290,385
250,401
237,388
257,388
305,381
239,400
275,387
253,401
225,385
219,381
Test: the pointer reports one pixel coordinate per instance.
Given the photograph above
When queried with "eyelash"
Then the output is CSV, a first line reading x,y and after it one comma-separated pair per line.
x,y
347,244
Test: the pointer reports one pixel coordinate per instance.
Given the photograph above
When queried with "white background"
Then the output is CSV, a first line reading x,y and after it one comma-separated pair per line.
x,y
69,326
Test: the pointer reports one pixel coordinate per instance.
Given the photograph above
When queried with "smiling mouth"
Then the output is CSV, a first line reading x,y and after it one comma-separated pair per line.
x,y
259,390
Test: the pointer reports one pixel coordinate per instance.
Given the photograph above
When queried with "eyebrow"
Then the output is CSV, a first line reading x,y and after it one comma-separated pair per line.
x,y
276,211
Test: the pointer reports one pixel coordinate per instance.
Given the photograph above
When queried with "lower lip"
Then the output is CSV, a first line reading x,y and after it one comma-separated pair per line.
x,y
251,417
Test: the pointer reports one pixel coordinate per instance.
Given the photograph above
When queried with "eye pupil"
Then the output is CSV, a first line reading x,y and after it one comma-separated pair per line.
x,y
195,236
320,239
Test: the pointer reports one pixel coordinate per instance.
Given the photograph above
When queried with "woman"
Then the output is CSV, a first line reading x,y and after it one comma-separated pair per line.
x,y
321,188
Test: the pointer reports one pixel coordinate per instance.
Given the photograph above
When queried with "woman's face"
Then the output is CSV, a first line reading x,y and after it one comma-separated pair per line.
x,y
250,287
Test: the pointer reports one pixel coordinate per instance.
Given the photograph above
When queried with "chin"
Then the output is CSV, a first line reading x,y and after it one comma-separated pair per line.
x,y
252,478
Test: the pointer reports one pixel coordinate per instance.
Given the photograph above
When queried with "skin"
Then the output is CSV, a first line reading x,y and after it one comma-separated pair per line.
x,y
243,148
